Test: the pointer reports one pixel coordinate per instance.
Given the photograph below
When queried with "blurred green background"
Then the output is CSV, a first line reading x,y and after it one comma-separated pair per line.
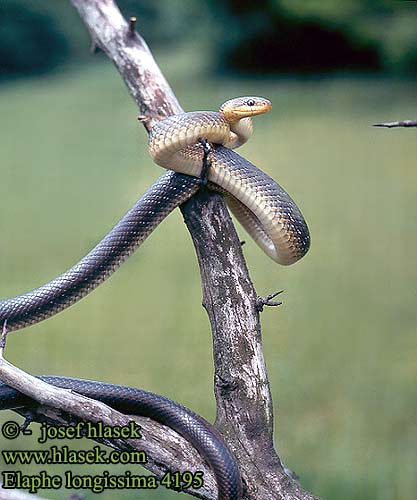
x,y
74,159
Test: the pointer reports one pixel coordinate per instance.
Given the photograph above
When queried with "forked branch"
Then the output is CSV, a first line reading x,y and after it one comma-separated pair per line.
x,y
244,405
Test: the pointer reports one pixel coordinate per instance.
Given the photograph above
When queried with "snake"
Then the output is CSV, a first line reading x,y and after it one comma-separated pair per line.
x,y
205,438
261,205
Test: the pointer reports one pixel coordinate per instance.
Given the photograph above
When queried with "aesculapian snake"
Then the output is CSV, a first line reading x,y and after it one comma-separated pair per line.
x,y
260,204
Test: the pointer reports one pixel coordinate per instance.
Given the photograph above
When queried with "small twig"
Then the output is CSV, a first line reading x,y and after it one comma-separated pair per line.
x,y
3,338
132,26
28,420
261,302
206,162
403,123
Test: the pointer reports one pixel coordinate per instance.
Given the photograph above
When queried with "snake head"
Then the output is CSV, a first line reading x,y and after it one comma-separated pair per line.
x,y
244,107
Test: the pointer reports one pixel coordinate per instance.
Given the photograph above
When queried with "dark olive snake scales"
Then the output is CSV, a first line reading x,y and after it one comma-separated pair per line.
x,y
260,204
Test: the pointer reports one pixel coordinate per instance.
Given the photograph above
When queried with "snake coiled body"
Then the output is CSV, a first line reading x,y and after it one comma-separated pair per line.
x,y
261,205
167,193
265,210
203,436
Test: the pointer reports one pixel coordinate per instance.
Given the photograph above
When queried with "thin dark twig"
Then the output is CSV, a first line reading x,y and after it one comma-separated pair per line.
x,y
3,336
132,26
402,123
206,161
261,302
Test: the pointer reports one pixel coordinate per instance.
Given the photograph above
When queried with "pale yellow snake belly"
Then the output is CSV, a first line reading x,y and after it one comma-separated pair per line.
x,y
264,209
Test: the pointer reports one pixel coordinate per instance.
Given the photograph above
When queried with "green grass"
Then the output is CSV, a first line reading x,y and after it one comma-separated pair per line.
x,y
339,352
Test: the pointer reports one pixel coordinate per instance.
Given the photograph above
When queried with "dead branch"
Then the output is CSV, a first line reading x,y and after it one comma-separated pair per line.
x,y
165,449
403,123
244,405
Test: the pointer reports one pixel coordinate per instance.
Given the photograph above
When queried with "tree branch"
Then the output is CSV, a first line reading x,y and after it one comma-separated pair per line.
x,y
165,449
132,58
403,123
244,406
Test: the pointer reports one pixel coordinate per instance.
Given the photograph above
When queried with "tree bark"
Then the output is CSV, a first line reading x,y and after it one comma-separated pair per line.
x,y
244,405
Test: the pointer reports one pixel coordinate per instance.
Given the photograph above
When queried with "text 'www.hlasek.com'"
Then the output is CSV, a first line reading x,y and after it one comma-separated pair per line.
x,y
17,459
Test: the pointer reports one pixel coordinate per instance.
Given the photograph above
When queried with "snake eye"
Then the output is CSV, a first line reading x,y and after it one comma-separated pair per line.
x,y
250,102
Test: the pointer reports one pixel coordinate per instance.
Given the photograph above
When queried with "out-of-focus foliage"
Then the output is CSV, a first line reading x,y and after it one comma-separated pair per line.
x,y
319,35
265,36
162,21
30,39
37,36
388,24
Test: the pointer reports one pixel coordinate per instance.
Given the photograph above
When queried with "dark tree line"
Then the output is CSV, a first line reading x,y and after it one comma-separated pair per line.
x,y
268,36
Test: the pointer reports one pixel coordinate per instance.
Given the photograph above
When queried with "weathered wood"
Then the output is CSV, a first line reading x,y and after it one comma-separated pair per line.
x,y
401,123
244,405
165,449
131,56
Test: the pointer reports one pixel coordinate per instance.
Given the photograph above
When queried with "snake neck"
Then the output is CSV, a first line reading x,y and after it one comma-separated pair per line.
x,y
240,131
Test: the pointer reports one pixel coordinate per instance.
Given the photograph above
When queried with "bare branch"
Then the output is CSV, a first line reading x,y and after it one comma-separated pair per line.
x,y
244,405
165,449
132,26
403,123
132,58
